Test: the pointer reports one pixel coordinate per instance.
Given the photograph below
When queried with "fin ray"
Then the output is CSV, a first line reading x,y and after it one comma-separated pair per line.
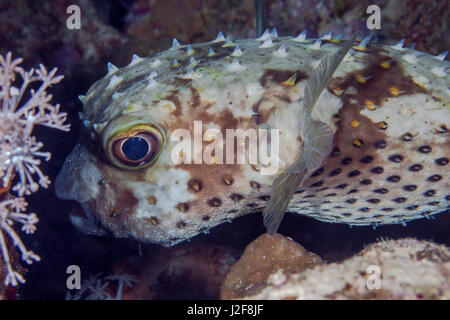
x,y
322,75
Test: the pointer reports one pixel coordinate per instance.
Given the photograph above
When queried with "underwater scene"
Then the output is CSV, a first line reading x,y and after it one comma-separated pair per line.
x,y
223,150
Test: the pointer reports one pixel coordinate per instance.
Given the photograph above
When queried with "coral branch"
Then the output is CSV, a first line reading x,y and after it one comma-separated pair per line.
x,y
20,152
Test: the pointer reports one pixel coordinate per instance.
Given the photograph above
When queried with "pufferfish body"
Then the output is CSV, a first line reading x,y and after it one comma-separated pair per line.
x,y
386,106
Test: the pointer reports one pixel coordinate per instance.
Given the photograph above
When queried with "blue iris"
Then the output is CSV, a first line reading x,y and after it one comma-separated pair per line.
x,y
135,148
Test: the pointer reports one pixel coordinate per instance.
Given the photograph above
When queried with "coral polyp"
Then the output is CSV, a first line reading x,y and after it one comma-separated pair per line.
x,y
20,152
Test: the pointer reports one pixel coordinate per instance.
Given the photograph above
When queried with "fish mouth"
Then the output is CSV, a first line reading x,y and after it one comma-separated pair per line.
x,y
101,208
83,219
80,180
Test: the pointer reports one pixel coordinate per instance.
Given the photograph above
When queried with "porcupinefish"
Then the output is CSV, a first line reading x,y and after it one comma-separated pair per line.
x,y
362,137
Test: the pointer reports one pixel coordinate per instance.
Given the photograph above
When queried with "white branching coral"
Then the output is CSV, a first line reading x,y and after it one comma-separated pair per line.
x,y
20,152
96,288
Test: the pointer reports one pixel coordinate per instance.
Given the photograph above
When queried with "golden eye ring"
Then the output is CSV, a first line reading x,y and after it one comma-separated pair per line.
x,y
135,147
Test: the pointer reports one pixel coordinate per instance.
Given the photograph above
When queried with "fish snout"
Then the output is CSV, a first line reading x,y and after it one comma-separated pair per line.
x,y
79,177
81,180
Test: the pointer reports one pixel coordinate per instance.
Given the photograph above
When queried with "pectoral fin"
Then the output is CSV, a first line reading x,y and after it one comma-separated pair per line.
x,y
321,76
318,137
283,189
317,143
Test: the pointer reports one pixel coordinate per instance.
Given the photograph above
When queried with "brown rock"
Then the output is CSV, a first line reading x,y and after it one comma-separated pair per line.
x,y
262,257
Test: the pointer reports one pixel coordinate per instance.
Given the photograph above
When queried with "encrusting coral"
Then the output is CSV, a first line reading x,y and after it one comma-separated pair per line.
x,y
21,153
390,269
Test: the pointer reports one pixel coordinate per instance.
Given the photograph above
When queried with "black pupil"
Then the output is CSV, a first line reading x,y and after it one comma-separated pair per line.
x,y
135,148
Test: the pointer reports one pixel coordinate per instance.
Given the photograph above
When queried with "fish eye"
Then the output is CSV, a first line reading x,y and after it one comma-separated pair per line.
x,y
136,147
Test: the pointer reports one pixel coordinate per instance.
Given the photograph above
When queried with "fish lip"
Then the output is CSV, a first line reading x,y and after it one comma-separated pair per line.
x,y
85,220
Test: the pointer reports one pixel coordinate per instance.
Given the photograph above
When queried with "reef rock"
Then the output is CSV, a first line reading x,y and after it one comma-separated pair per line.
x,y
191,270
262,257
392,269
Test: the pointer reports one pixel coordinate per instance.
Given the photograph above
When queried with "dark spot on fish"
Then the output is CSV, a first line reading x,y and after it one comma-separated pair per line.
x,y
335,152
382,125
433,203
441,129
181,225
400,200
373,201
397,158
126,202
394,178
415,167
279,76
346,161
387,209
354,173
434,178
251,205
414,207
154,221
352,191
341,186
410,187
323,189
316,184
195,185
300,191
331,195
366,159
351,201
215,202
377,170
358,143
336,118
335,172
264,197
407,136
364,209
309,196
255,185
347,214
228,180
183,206
318,172
380,144
206,218
366,182
377,216
447,197
441,161
381,190
236,197
424,149
429,193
